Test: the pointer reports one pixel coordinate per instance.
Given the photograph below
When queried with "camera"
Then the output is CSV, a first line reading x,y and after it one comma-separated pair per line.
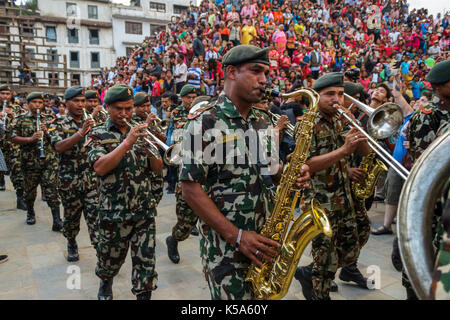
x,y
352,74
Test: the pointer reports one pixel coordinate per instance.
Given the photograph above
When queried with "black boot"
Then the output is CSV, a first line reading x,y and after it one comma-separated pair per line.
x,y
194,231
2,183
57,223
30,214
20,203
352,273
334,287
304,275
144,296
172,249
395,256
72,250
105,290
410,294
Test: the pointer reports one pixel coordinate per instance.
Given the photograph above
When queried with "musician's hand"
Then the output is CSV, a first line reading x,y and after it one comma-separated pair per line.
x,y
43,128
302,180
150,118
406,144
37,136
97,109
257,247
352,141
356,174
347,112
282,122
136,132
87,125
9,112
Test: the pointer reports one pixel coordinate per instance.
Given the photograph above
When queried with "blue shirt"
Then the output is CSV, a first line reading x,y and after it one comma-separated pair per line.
x,y
198,73
400,150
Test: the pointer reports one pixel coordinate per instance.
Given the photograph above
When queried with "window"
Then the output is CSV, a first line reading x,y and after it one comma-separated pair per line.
x,y
95,60
154,28
53,78
93,36
74,59
179,9
92,12
72,35
156,6
75,79
52,57
30,56
133,27
50,33
27,29
71,9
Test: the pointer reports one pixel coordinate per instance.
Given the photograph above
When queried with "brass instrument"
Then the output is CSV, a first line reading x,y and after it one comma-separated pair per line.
x,y
415,213
290,129
87,116
160,125
38,128
372,169
273,279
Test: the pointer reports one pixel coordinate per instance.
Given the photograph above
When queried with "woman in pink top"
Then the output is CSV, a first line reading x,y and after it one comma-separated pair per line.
x,y
279,38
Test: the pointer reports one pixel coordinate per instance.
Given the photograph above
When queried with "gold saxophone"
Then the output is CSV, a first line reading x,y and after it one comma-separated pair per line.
x,y
372,169
272,280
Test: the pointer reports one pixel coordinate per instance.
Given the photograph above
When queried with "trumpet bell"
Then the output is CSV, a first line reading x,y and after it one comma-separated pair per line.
x,y
173,156
385,121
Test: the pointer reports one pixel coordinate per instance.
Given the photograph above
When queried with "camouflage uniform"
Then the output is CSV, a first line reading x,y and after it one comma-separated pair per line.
x,y
35,170
348,218
126,212
236,189
186,217
77,181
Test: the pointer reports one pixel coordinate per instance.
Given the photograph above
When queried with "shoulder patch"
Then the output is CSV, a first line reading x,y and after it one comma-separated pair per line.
x,y
426,110
194,115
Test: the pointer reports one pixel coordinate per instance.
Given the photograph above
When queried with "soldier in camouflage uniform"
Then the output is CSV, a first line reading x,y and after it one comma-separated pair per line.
x,y
126,210
94,107
186,217
11,151
37,170
77,182
231,199
423,129
331,150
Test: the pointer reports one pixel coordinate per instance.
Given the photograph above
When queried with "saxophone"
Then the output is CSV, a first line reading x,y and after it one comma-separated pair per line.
x,y
272,280
372,169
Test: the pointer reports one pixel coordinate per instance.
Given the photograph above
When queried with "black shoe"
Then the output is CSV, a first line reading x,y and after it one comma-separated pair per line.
x,y
303,274
194,231
3,258
57,223
172,249
2,186
352,274
105,290
31,216
395,256
20,203
334,286
144,296
72,250
410,294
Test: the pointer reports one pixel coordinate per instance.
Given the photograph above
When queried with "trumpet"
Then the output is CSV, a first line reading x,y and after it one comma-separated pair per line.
x,y
290,129
87,116
161,125
38,128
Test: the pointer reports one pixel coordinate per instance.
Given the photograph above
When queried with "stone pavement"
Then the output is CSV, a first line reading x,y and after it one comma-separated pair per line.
x,y
37,268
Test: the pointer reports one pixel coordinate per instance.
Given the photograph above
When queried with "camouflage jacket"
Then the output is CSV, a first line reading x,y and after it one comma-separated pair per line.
x,y
124,192
236,188
179,118
5,138
74,168
25,126
332,186
424,125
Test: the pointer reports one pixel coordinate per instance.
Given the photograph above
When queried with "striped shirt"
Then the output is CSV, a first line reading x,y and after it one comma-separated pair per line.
x,y
198,73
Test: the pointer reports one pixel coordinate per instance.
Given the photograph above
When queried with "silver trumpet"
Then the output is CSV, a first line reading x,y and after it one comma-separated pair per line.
x,y
290,128
161,125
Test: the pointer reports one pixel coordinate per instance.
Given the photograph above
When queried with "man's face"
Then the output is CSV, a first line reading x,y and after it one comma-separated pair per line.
x,y
5,95
165,103
251,78
443,90
91,104
35,104
76,106
329,97
380,94
120,110
142,110
188,99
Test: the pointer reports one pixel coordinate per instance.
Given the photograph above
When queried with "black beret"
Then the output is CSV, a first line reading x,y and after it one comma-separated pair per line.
x,y
73,92
440,73
119,92
245,54
35,95
332,79
5,87
91,94
187,88
353,88
140,98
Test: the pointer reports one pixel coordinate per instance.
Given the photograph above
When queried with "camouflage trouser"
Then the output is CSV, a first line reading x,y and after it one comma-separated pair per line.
x,y
186,217
74,204
112,248
15,168
339,251
231,286
47,178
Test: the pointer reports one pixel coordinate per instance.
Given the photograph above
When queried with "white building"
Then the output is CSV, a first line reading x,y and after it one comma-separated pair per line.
x,y
83,31
131,24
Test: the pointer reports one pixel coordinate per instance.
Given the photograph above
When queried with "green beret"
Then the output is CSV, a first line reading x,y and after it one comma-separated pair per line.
x,y
119,92
140,98
332,79
5,87
187,88
246,54
73,92
353,88
35,95
91,94
440,73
